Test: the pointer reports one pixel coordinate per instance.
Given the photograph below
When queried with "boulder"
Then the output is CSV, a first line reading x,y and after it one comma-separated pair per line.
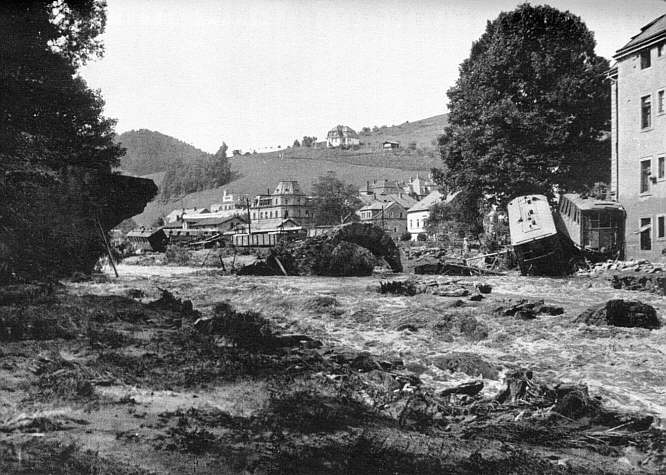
x,y
526,309
621,313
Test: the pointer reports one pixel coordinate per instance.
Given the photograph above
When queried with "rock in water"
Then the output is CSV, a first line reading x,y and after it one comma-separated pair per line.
x,y
621,313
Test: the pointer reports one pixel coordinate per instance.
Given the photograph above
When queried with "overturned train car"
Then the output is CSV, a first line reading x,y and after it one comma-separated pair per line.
x,y
534,237
557,243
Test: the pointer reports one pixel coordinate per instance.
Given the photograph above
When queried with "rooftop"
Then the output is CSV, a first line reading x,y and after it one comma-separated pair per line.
x,y
592,203
656,28
426,203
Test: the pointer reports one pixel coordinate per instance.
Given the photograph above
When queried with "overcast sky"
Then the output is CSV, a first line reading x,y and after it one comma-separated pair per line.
x,y
260,73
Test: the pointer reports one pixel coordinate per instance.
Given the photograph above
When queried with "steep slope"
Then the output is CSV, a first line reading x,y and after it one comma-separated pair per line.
x,y
423,133
150,152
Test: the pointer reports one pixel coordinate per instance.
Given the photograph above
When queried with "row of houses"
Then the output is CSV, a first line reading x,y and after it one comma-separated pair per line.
x,y
397,207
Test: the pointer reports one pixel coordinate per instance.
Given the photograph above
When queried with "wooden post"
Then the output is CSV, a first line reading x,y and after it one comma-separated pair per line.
x,y
108,247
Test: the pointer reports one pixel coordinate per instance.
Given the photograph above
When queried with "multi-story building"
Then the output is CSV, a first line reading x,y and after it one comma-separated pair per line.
x,y
638,179
417,215
388,212
287,204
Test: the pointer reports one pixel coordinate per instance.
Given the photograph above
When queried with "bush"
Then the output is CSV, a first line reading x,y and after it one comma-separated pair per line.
x,y
244,329
406,236
177,255
421,237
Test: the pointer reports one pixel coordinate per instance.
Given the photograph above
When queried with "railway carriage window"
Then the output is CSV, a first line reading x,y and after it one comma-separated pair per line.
x,y
646,167
646,112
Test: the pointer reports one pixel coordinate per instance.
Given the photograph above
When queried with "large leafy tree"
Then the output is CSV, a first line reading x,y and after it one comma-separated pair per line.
x,y
57,151
530,109
334,200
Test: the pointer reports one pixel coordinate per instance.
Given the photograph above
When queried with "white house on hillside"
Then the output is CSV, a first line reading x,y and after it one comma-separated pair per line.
x,y
342,136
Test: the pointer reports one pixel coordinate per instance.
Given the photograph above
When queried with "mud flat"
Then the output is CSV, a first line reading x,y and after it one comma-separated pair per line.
x,y
325,375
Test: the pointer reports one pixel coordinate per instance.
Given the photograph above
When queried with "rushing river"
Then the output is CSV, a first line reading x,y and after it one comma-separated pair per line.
x,y
626,366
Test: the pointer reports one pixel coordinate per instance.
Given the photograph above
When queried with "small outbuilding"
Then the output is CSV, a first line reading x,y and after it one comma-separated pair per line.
x,y
390,145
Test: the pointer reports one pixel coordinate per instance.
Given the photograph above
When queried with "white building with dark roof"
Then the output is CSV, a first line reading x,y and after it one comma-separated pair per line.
x,y
342,136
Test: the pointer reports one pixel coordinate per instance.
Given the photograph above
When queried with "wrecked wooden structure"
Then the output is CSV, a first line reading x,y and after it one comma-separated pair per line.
x,y
148,240
348,250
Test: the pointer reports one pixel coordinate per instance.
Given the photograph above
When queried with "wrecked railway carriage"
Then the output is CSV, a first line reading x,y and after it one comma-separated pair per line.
x,y
534,236
594,227
557,243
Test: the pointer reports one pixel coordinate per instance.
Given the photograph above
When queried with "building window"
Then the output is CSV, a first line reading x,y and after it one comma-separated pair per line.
x,y
646,112
660,101
646,170
660,168
411,224
645,58
661,231
660,50
646,234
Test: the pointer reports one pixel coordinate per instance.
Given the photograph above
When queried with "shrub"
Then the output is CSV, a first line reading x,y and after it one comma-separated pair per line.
x,y
406,236
177,255
244,329
421,237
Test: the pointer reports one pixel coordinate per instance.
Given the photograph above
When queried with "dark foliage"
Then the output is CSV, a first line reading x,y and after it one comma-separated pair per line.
x,y
56,148
196,174
529,109
334,200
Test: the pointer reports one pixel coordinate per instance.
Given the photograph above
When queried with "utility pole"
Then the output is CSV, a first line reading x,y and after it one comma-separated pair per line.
x,y
249,221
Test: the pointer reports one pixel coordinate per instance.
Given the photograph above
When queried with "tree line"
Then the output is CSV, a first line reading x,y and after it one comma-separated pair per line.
x,y
200,173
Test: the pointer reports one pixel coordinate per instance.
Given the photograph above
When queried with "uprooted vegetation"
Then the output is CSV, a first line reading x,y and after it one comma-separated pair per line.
x,y
323,410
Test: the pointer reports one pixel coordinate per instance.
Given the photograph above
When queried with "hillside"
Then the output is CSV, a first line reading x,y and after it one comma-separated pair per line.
x,y
256,173
423,132
150,152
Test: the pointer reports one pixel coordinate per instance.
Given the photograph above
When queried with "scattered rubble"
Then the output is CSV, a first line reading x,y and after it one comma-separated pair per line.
x,y
450,268
621,313
468,363
526,310
441,288
655,283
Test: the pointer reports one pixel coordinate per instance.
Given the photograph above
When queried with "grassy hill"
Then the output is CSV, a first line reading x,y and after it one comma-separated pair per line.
x,y
150,152
254,174
422,132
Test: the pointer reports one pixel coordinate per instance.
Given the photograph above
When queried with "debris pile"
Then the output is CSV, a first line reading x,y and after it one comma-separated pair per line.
x,y
348,250
524,309
450,268
442,288
621,313
639,265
